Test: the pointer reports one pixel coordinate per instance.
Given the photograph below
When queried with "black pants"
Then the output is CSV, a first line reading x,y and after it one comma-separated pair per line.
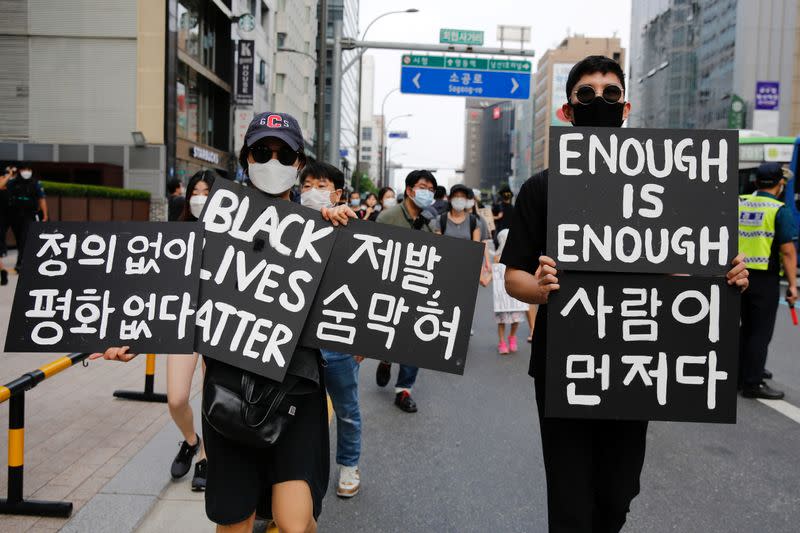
x,y
592,469
20,224
759,307
3,232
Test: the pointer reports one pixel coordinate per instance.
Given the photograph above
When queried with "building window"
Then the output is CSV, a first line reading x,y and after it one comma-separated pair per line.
x,y
306,83
616,57
265,19
200,105
262,71
366,148
305,120
251,7
366,134
281,39
280,79
366,158
189,27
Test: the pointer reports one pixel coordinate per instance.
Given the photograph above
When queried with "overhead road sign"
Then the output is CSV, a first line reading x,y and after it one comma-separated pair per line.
x,y
451,36
454,76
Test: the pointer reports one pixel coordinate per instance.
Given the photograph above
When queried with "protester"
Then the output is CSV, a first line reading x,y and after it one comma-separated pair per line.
x,y
356,204
369,206
181,367
176,200
504,211
505,317
386,199
10,172
321,185
288,480
767,236
440,205
27,204
592,467
457,221
408,214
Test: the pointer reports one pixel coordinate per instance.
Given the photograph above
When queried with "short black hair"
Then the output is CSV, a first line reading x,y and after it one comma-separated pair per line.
x,y
173,185
439,193
321,169
590,65
415,175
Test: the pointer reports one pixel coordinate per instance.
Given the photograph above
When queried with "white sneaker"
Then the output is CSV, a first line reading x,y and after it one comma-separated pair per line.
x,y
349,481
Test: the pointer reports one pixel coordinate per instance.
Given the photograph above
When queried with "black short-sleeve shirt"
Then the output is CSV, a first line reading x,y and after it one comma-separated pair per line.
x,y
525,243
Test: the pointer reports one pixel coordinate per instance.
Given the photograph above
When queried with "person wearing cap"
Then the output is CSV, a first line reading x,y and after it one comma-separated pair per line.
x,y
459,221
26,200
288,479
767,236
504,211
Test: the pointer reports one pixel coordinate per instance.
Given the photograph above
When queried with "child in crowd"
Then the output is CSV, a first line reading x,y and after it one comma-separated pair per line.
x,y
507,310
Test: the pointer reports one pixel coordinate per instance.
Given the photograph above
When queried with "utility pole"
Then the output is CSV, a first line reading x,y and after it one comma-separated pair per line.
x,y
336,94
322,58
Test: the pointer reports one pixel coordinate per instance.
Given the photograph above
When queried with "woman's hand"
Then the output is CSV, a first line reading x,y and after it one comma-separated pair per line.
x,y
338,215
115,354
738,274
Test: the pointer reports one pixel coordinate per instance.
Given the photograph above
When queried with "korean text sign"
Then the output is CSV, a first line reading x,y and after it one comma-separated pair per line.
x,y
643,200
639,346
88,286
262,262
398,295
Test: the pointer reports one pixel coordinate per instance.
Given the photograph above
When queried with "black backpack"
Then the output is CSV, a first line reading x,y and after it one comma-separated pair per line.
x,y
473,223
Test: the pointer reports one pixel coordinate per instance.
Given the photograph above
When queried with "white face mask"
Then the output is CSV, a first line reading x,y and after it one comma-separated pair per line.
x,y
389,202
196,204
470,204
272,177
459,204
26,174
316,198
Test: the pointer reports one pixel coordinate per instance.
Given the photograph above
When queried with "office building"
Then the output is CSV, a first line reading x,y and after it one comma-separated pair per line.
x,y
296,62
694,59
497,141
370,134
550,85
521,144
473,118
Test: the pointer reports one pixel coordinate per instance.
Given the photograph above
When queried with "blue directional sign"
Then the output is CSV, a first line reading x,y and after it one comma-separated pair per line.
x,y
438,77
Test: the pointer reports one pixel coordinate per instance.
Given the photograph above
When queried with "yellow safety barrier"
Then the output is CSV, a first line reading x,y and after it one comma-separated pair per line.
x,y
147,395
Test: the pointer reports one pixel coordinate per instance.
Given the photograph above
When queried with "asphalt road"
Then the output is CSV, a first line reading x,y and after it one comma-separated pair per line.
x,y
471,459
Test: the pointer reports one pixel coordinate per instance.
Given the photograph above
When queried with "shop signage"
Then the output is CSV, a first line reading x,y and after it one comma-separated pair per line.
x,y
204,154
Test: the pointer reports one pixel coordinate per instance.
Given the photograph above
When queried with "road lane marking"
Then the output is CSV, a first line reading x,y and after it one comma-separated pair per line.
x,y
784,408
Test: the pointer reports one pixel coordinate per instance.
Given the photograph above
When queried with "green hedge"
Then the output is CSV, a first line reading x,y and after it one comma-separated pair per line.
x,y
79,190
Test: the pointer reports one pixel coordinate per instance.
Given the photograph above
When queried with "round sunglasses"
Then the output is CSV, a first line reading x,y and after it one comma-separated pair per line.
x,y
263,153
585,94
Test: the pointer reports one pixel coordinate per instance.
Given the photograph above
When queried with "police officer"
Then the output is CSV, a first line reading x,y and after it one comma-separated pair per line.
x,y
26,201
767,235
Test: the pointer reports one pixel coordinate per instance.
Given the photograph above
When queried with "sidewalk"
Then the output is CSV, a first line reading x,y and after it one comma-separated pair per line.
x,y
77,435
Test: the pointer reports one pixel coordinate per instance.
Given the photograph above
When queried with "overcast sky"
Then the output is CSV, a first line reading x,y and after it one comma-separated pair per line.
x,y
436,132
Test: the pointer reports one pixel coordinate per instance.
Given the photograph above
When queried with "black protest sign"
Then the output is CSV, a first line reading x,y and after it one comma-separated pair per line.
x,y
263,259
398,295
643,200
642,347
87,286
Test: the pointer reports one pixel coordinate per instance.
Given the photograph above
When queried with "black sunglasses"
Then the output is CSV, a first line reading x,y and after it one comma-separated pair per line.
x,y
263,153
586,93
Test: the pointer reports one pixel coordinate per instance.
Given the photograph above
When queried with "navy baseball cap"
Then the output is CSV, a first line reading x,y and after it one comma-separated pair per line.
x,y
279,125
769,173
458,187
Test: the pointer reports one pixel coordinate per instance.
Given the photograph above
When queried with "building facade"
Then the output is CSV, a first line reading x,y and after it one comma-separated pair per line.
x,y
473,119
522,144
550,86
692,59
370,124
497,145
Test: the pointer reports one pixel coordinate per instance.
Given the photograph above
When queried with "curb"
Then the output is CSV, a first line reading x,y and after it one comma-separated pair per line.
x,y
126,500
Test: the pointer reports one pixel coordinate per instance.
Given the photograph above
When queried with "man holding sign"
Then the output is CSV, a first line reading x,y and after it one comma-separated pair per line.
x,y
593,465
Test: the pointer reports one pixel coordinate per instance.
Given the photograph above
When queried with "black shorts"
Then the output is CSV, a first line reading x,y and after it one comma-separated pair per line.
x,y
240,478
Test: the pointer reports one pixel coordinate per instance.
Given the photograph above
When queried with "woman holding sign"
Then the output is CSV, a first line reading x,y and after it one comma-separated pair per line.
x,y
286,480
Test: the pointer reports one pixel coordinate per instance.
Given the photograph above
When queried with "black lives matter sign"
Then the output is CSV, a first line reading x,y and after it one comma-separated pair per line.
x,y
647,203
643,200
398,295
263,260
635,346
88,286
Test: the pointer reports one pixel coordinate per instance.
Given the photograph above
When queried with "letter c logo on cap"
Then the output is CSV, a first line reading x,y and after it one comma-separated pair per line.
x,y
274,121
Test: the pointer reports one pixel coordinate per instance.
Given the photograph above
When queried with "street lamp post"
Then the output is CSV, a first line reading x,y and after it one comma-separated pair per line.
x,y
384,136
383,131
360,72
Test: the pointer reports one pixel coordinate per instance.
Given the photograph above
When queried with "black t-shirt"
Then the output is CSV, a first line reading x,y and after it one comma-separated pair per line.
x,y
175,207
525,243
508,215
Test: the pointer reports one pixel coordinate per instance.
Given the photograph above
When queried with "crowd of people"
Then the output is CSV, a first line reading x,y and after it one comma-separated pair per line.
x,y
592,466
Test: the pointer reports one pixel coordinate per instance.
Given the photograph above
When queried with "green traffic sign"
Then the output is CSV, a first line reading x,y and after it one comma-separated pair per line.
x,y
450,36
471,63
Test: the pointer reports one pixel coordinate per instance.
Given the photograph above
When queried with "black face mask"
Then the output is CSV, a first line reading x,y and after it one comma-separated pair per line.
x,y
598,113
